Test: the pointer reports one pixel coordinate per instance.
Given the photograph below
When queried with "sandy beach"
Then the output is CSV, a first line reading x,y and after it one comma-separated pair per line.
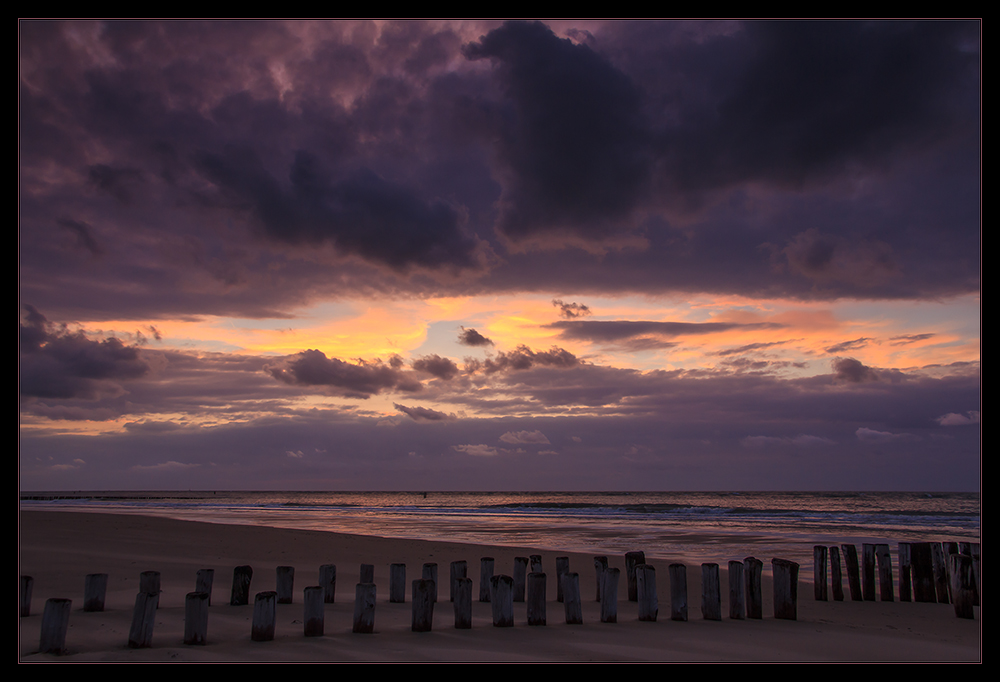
x,y
59,548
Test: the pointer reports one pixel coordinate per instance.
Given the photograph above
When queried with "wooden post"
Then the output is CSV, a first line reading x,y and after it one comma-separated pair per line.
x,y
633,559
737,591
463,603
459,569
422,594
367,574
853,572
923,572
203,582
328,581
609,596
55,622
143,616
430,572
485,578
645,585
264,615
836,574
905,568
284,580
502,598
364,608
562,568
819,573
600,566
752,568
678,592
196,618
963,585
941,581
785,575
868,571
313,611
711,592
884,560
149,582
95,587
397,583
27,583
520,577
241,586
536,598
571,599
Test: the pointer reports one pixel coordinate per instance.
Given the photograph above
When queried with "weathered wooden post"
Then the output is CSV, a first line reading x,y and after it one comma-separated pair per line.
x,y
609,596
366,574
458,570
941,581
397,583
284,580
536,598
364,608
196,618
502,598
55,622
600,566
203,581
328,581
884,560
905,585
423,604
149,582
923,572
536,563
633,559
463,603
571,599
868,571
140,635
562,568
963,585
853,572
752,568
645,585
520,577
313,611
27,583
264,615
711,592
836,574
819,573
678,592
485,578
786,588
95,587
242,575
737,591
430,572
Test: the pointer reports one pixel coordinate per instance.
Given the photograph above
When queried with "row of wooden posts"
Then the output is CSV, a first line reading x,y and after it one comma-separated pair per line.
x,y
945,573
745,596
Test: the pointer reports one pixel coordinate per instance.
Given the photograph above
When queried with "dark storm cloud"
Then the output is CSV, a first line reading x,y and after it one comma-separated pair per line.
x,y
909,338
82,232
423,413
854,344
523,358
853,371
470,337
573,146
313,368
58,363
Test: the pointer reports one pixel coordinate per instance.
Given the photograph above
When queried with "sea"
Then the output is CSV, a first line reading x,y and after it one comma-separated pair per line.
x,y
683,526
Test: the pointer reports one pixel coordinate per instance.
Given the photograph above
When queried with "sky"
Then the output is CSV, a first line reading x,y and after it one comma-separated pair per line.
x,y
487,255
